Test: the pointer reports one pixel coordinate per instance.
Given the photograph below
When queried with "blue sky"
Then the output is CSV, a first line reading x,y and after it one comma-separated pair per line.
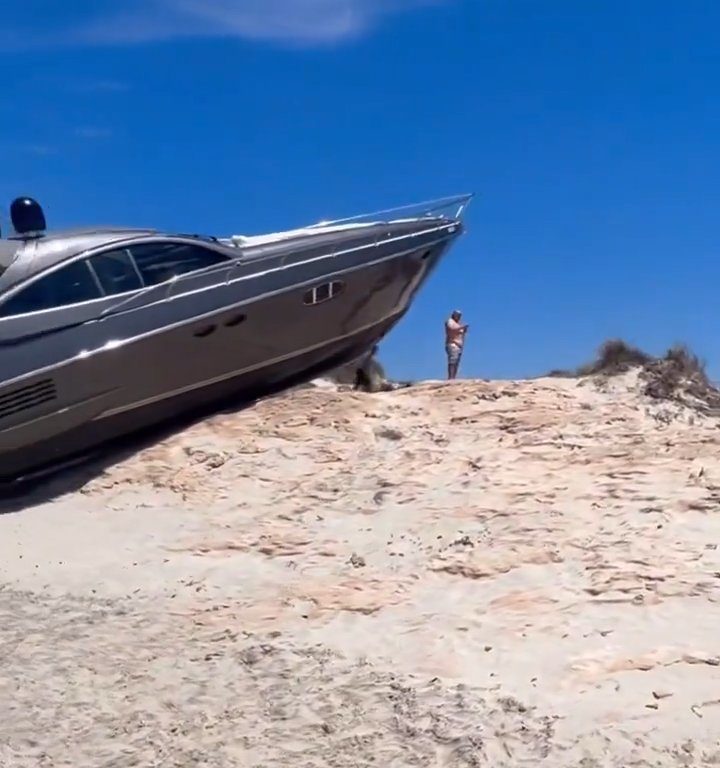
x,y
589,130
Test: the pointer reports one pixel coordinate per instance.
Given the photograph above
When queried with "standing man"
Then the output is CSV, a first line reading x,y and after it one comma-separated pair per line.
x,y
454,341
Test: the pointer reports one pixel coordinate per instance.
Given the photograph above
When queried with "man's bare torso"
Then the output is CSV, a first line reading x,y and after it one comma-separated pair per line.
x,y
454,333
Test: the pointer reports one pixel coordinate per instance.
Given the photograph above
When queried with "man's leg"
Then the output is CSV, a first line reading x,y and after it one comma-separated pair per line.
x,y
457,363
452,353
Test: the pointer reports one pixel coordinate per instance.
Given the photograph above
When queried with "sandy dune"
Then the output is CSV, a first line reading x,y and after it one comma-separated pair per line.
x,y
467,574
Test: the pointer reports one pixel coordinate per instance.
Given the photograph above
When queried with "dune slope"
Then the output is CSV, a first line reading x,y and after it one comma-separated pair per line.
x,y
466,574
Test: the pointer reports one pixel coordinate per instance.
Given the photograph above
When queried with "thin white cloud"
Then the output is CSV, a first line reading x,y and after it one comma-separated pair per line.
x,y
39,150
293,21
93,133
99,86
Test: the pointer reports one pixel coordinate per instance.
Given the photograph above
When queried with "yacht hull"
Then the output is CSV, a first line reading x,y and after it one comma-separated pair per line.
x,y
237,352
41,457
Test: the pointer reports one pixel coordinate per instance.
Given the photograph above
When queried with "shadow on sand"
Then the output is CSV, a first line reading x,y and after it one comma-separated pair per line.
x,y
364,374
74,473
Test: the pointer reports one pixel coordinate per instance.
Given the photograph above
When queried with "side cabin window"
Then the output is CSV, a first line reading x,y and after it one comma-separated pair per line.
x,y
71,284
324,292
116,272
159,262
110,273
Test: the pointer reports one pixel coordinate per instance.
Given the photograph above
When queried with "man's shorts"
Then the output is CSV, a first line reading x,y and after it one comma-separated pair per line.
x,y
454,353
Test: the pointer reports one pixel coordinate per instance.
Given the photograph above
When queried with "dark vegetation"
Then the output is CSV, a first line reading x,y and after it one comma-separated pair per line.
x,y
679,375
613,357
367,375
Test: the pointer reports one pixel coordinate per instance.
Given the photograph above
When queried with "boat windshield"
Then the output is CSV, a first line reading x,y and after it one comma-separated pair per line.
x,y
8,253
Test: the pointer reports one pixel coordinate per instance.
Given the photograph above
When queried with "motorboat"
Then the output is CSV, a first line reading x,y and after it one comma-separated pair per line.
x,y
106,331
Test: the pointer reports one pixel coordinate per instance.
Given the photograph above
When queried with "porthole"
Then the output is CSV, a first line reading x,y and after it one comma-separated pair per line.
x,y
324,292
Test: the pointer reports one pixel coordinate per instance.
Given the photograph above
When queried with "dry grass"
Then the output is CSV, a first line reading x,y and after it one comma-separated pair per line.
x,y
679,375
614,357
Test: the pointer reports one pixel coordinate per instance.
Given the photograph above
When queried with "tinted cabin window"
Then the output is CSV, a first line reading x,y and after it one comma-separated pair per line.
x,y
159,262
116,272
72,284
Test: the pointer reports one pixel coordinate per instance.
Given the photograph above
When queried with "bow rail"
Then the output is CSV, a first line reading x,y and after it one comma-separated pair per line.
x,y
454,206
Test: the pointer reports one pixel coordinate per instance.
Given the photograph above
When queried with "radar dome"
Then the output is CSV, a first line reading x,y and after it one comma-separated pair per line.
x,y
27,216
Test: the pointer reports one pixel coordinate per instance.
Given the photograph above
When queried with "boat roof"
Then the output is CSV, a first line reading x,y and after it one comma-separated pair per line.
x,y
22,257
246,241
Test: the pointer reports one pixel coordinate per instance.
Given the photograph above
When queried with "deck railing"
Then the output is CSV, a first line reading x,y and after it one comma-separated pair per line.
x,y
454,208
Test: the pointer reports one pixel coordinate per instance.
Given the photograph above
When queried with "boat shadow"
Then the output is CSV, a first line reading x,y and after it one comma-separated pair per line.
x,y
75,473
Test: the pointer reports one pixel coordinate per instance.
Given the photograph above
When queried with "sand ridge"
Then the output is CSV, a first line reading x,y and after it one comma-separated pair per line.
x,y
500,573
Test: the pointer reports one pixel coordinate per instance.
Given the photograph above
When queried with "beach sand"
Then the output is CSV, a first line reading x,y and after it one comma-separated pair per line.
x,y
464,574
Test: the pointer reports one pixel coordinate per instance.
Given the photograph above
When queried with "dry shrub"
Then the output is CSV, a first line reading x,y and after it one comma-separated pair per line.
x,y
679,375
615,356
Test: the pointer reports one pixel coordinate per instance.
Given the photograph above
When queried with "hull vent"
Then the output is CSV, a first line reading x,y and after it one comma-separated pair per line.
x,y
24,398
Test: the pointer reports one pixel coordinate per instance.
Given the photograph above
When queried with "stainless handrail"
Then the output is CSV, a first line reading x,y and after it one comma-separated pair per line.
x,y
428,207
450,228
462,201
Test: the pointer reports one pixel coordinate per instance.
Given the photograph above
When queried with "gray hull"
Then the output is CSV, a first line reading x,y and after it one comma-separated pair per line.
x,y
77,379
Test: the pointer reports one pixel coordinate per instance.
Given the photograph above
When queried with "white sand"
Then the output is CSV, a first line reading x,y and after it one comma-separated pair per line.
x,y
468,574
